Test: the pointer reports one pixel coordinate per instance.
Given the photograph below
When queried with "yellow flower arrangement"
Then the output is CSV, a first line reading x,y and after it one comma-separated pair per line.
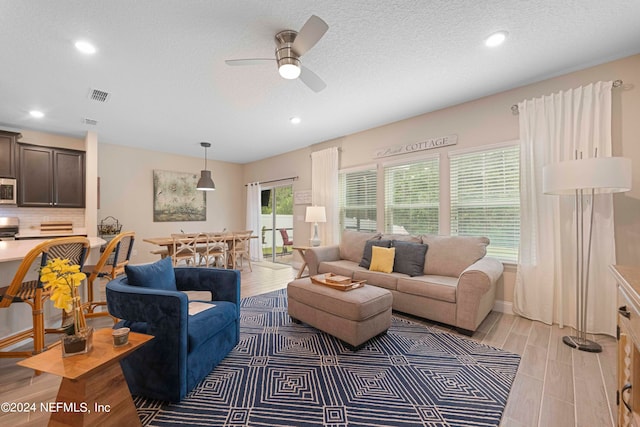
x,y
63,279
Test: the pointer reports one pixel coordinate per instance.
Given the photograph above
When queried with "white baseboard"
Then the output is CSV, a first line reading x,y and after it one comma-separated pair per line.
x,y
503,307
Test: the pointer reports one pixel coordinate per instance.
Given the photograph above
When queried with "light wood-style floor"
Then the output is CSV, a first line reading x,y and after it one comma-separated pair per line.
x,y
556,386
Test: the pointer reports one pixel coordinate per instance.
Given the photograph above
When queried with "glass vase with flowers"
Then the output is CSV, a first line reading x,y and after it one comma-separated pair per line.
x,y
63,279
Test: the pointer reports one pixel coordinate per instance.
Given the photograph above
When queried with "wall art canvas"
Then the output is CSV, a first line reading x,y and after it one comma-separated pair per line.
x,y
175,197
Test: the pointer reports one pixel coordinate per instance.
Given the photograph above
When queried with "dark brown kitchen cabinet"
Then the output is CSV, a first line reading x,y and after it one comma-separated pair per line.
x,y
8,142
50,177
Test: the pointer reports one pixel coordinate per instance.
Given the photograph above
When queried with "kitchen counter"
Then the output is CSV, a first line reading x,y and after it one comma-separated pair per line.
x,y
37,234
15,250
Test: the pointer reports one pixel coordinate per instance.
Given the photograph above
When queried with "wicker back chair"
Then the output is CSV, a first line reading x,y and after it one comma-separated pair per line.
x,y
110,265
76,250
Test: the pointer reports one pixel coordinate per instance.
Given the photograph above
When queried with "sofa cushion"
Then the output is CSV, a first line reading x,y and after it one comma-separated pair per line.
x,y
208,323
375,278
451,255
410,258
382,259
442,288
352,244
342,267
157,275
402,237
365,262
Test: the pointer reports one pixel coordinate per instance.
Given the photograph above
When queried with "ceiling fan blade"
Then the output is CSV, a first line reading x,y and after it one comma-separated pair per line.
x,y
311,79
309,34
251,61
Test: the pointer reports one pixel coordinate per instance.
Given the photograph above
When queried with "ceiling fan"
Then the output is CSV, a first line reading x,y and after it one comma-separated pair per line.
x,y
290,46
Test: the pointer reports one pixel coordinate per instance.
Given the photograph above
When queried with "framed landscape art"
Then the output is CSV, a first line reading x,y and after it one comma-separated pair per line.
x,y
175,197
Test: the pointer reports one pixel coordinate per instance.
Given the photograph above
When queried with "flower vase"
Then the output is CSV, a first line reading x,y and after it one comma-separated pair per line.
x,y
79,343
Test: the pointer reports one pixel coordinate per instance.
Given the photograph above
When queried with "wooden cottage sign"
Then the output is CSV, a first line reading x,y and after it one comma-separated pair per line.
x,y
429,144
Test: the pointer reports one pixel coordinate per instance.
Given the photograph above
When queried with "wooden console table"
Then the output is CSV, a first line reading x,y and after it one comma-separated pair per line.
x,y
628,334
93,385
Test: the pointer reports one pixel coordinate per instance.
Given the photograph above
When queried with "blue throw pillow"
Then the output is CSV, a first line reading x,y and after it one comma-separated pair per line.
x,y
366,256
409,257
158,275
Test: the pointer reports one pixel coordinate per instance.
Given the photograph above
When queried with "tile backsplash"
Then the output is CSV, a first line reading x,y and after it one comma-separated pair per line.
x,y
30,218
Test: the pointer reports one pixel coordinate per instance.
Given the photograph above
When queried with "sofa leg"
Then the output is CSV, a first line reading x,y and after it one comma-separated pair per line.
x,y
296,321
466,332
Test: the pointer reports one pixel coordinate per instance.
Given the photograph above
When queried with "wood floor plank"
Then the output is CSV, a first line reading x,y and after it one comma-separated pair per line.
x,y
559,381
539,335
534,361
525,400
591,401
557,412
558,350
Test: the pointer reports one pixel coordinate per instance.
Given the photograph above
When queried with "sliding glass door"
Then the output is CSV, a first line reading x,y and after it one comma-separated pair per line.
x,y
277,224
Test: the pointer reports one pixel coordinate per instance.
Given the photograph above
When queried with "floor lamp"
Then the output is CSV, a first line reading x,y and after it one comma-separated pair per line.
x,y
583,178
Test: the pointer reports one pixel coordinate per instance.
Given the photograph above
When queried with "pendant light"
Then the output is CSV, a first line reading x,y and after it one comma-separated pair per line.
x,y
205,182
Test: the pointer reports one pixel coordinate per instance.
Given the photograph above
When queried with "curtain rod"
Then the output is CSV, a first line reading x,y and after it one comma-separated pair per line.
x,y
291,178
514,107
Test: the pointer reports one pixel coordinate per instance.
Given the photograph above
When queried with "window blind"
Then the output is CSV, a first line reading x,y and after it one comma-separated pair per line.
x,y
411,197
485,198
358,194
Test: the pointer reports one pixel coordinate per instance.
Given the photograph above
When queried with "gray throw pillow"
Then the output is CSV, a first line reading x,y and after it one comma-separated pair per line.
x,y
409,257
366,256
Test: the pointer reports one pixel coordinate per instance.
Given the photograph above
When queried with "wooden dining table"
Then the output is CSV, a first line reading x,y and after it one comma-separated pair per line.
x,y
167,242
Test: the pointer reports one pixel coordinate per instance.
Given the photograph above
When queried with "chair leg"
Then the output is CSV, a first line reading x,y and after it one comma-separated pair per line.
x,y
38,323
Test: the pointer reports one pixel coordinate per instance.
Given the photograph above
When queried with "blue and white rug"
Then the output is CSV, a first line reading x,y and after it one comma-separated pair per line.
x,y
285,374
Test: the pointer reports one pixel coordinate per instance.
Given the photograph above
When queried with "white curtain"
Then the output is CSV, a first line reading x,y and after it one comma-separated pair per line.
x,y
253,218
552,129
324,191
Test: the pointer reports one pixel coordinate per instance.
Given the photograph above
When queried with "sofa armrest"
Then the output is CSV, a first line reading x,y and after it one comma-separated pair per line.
x,y
476,292
223,284
315,255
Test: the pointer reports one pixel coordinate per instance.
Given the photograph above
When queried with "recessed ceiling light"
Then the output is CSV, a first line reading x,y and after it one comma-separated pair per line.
x,y
85,47
295,120
496,39
37,114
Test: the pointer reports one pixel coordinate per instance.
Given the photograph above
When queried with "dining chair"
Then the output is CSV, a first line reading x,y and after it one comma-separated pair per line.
x,y
185,248
286,241
110,265
30,291
241,248
215,251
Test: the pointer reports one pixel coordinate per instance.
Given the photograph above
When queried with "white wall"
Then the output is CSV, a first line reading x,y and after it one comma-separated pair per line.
x,y
126,193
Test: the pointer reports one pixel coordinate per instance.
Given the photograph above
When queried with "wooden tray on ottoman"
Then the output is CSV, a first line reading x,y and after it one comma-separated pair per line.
x,y
341,283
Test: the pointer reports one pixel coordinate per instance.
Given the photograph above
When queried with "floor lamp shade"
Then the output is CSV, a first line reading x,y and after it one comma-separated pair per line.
x,y
582,179
315,214
601,174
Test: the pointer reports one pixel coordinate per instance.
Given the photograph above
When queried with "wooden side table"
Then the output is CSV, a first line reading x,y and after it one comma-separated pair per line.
x,y
301,250
93,390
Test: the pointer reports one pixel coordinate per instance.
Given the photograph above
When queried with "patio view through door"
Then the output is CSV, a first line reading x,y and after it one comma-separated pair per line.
x,y
277,224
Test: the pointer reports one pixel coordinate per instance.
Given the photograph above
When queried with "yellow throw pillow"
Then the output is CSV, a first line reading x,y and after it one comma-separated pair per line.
x,y
382,259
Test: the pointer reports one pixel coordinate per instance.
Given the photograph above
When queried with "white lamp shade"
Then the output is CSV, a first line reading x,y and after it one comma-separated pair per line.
x,y
315,214
602,174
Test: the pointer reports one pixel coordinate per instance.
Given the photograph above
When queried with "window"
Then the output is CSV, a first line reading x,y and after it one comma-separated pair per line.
x,y
485,198
411,197
358,194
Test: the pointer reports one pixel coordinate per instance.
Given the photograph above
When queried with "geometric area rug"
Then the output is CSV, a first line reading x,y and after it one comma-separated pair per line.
x,y
287,374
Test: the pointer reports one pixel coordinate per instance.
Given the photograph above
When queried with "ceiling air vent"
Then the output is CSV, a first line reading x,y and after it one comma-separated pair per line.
x,y
88,121
99,95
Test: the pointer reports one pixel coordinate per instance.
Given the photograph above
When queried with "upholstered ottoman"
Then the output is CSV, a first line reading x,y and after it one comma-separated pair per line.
x,y
353,316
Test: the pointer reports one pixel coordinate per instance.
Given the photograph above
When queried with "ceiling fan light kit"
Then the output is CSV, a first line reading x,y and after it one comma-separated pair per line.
x,y
290,46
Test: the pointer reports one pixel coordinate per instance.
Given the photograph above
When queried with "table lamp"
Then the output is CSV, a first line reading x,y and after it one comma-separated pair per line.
x,y
582,178
315,214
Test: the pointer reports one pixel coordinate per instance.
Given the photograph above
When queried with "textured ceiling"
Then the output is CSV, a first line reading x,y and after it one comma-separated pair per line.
x,y
162,62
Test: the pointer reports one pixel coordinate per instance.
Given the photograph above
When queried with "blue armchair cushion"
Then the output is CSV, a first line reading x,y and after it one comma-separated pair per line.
x,y
208,323
158,275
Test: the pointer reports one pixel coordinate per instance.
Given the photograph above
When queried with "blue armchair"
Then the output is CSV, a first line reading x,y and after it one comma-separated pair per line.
x,y
186,347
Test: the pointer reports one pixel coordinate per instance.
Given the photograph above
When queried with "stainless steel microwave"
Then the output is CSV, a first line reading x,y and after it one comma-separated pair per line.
x,y
8,191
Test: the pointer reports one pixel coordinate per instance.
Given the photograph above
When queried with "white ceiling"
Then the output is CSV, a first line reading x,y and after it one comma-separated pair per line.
x,y
162,61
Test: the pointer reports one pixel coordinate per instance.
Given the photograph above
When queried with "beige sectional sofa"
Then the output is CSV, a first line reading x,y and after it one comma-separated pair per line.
x,y
458,283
